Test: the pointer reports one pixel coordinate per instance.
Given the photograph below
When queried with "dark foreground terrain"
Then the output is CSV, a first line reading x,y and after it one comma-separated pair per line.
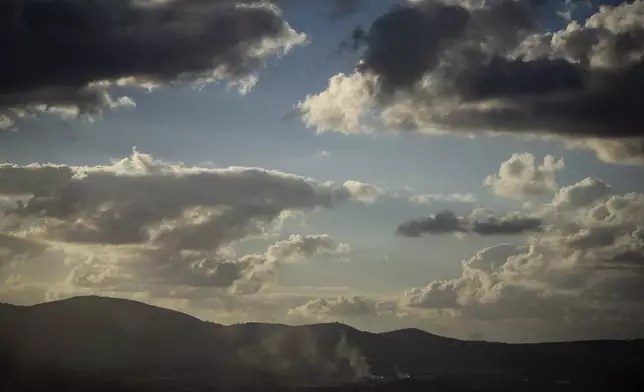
x,y
102,344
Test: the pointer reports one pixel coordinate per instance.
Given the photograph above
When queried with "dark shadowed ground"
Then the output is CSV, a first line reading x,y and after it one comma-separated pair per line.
x,y
101,344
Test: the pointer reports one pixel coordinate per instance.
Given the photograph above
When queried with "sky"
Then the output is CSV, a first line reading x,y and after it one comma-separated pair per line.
x,y
469,168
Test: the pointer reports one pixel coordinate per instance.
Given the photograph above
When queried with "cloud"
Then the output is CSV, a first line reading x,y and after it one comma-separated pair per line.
x,y
582,194
18,180
64,56
135,270
507,226
142,224
14,248
521,178
429,198
624,151
308,246
221,270
447,222
444,222
341,107
578,197
487,67
334,308
363,192
582,270
323,154
437,294
140,199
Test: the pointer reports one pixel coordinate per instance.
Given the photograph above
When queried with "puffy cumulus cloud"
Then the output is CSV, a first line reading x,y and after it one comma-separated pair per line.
x,y
364,192
297,246
610,38
584,268
521,178
65,55
342,106
442,66
447,222
142,270
582,194
220,271
140,199
217,285
139,223
406,43
342,307
445,293
575,199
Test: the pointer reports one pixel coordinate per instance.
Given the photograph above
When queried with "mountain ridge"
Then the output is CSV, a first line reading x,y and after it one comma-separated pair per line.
x,y
390,333
116,336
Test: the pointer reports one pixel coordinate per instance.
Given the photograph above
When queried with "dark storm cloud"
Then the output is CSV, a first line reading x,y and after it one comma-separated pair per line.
x,y
409,41
54,50
31,179
394,51
446,222
507,226
552,96
488,67
502,77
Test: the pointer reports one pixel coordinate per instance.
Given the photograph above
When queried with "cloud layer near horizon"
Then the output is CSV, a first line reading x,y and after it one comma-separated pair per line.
x,y
480,68
583,271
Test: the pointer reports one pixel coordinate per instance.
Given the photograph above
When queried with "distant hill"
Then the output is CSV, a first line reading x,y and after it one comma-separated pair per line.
x,y
126,340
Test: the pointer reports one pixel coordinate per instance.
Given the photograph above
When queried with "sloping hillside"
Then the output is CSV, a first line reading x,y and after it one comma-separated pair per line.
x,y
121,339
95,333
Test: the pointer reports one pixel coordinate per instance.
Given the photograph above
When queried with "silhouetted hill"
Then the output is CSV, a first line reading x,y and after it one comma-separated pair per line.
x,y
414,334
95,332
129,342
